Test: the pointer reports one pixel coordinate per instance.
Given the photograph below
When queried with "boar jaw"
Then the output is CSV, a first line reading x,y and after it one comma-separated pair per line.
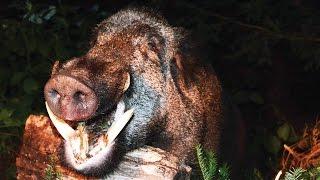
x,y
80,155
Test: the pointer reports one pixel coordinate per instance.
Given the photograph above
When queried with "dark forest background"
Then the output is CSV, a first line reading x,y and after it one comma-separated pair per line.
x,y
266,53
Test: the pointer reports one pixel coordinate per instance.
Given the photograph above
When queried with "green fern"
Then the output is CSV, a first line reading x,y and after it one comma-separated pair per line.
x,y
209,165
314,173
224,172
208,169
294,174
299,174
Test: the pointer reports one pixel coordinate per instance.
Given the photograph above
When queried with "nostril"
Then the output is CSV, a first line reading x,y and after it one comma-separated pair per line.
x,y
54,94
79,96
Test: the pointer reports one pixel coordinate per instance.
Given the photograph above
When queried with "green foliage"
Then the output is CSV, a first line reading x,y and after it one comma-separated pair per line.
x,y
224,172
251,35
39,17
253,174
294,174
242,97
300,174
314,173
32,37
273,144
51,173
284,134
283,131
209,165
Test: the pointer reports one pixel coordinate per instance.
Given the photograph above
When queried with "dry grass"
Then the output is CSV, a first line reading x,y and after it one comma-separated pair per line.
x,y
306,152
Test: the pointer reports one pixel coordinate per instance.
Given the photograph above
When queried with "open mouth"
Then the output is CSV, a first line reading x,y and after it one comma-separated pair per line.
x,y
85,145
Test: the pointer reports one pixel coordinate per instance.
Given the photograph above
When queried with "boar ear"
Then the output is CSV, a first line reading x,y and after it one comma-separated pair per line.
x,y
55,68
155,44
150,46
127,83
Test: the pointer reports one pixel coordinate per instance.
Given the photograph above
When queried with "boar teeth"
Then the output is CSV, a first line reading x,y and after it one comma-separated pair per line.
x,y
120,120
78,139
101,144
63,128
80,143
84,141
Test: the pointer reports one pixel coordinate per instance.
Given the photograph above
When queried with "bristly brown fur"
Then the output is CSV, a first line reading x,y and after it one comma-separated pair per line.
x,y
179,102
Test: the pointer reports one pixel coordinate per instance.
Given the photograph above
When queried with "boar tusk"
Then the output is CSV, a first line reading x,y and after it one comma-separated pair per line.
x,y
127,84
118,125
63,128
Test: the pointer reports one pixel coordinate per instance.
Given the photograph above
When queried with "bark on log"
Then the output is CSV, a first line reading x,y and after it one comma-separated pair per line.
x,y
39,158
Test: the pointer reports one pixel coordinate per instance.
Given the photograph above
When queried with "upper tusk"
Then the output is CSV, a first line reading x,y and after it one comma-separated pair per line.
x,y
63,128
127,84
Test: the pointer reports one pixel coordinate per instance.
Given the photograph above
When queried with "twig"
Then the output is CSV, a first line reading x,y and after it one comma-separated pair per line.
x,y
8,134
291,151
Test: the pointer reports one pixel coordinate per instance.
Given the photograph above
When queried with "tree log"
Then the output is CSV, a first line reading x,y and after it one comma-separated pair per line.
x,y
39,158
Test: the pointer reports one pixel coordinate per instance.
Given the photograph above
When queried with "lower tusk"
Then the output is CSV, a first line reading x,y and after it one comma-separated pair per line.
x,y
63,128
118,125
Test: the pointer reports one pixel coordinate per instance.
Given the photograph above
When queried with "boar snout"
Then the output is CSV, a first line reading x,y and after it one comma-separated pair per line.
x,y
70,99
